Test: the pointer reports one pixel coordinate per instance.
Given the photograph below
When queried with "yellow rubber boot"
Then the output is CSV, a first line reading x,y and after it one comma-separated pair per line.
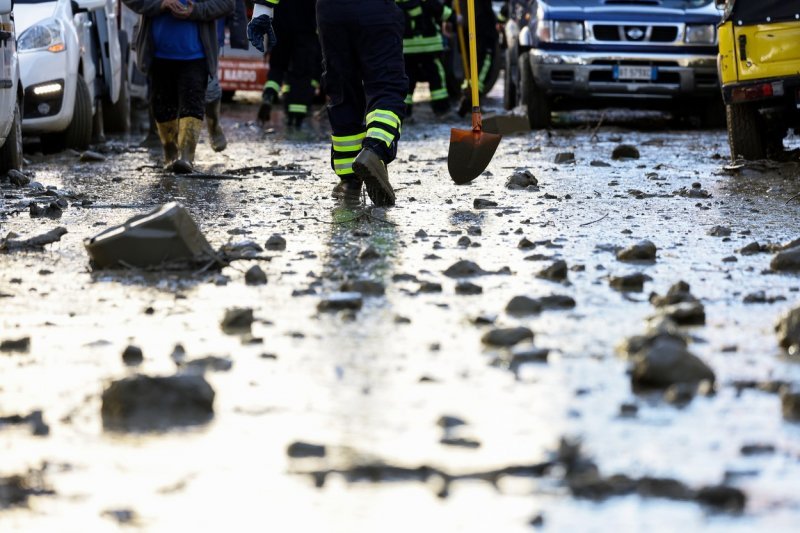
x,y
189,129
168,133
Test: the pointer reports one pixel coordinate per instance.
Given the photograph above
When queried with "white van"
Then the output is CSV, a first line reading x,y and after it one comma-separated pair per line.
x,y
10,93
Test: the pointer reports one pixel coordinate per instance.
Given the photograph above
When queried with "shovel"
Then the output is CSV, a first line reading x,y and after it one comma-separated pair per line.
x,y
471,150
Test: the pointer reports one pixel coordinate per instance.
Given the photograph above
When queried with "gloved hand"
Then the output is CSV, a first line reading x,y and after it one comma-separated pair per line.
x,y
261,34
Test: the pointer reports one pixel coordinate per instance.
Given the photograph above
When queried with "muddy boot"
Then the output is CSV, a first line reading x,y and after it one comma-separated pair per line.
x,y
188,135
371,169
168,134
215,133
348,190
268,97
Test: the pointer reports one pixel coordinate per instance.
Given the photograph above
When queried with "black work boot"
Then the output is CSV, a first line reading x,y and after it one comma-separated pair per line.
x,y
372,170
348,190
215,133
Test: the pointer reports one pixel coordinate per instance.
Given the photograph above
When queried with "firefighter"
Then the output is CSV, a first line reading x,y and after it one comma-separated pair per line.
x,y
365,80
423,47
293,62
486,36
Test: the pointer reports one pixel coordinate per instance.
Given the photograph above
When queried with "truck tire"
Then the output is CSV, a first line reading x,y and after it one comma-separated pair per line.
x,y
509,83
535,99
117,116
744,135
78,134
11,152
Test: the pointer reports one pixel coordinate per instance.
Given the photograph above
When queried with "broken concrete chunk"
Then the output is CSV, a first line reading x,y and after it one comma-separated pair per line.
x,y
465,288
629,283
464,269
164,238
666,361
720,231
237,319
338,301
521,180
625,151
505,337
364,286
564,158
11,244
147,403
555,272
300,450
523,305
21,345
255,276
275,243
641,251
788,330
786,261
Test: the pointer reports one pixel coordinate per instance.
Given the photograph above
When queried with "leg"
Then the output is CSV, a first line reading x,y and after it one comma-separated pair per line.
x,y
409,61
437,80
278,64
301,90
164,105
191,81
213,106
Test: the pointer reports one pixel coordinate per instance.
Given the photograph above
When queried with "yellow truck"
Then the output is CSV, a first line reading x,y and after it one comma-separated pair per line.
x,y
759,70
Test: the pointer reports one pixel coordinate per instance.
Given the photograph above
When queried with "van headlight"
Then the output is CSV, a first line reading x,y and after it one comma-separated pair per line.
x,y
567,31
701,34
46,35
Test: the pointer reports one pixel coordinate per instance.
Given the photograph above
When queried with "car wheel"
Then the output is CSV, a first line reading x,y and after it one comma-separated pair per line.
x,y
533,97
78,134
510,86
11,152
117,116
744,135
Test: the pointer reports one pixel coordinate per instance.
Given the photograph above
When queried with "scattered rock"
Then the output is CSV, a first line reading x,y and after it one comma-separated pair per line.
x,y
757,449
300,450
598,163
521,180
523,305
53,210
680,394
339,301
121,516
564,158
788,330
448,422
504,337
237,319
720,231
722,498
460,442
142,402
275,243
255,276
525,244
685,314
555,272
664,360
557,301
482,203
35,420
752,249
210,363
15,490
760,297
90,156
132,355
369,254
641,251
629,283
21,345
790,404
364,286
787,260
625,151
464,269
428,287
465,288
679,293
17,178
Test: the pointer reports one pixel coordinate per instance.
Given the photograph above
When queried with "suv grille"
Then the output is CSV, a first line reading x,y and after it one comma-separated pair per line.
x,y
635,33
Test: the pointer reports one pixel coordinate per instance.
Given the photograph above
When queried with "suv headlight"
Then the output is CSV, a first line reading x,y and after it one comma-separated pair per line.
x,y
701,34
567,31
46,35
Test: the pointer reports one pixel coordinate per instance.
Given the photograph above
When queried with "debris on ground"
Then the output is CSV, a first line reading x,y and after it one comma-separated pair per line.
x,y
20,345
787,260
35,420
661,358
788,330
629,282
506,337
255,275
237,320
625,151
11,243
641,251
132,355
522,180
339,301
557,271
299,450
16,489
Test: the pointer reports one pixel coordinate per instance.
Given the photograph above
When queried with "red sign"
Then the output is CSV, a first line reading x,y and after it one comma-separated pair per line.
x,y
242,74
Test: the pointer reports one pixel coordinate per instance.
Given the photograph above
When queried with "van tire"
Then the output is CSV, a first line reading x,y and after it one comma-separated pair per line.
x,y
11,152
536,101
78,134
744,135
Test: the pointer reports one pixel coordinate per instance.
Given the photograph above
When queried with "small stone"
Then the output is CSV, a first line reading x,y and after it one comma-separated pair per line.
x,y
641,251
17,178
38,426
275,243
790,405
211,362
523,305
339,301
448,422
506,337
21,345
237,319
132,355
300,450
629,283
722,498
557,301
598,163
369,254
555,272
787,260
90,156
757,449
628,410
665,361
525,244
564,158
421,234
460,442
255,276
521,180
680,394
464,242
364,286
788,330
465,288
121,516
482,203
751,249
625,151
686,313
720,231
428,287
464,269
522,355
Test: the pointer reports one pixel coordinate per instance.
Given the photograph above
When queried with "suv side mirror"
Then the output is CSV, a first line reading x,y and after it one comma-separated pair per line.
x,y
6,6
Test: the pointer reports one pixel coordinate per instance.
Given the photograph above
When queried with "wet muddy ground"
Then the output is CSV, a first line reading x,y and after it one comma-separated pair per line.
x,y
417,400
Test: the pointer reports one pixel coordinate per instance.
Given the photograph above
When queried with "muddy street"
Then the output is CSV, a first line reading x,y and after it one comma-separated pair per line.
x,y
582,339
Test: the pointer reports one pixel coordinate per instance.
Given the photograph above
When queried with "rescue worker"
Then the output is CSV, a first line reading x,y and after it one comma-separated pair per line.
x,y
364,78
486,37
423,47
293,62
177,48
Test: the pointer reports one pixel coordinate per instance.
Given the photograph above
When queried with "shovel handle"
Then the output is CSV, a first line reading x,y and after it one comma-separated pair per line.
x,y
477,123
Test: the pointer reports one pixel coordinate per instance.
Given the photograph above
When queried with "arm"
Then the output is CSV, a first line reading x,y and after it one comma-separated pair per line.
x,y
148,8
212,9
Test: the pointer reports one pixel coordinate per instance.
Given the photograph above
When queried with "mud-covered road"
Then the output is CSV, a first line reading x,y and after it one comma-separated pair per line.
x,y
428,398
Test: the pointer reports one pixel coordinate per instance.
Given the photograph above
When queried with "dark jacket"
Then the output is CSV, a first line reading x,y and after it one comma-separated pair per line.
x,y
423,18
205,13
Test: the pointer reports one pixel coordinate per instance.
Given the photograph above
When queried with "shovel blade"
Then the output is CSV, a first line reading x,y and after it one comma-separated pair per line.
x,y
470,153
505,124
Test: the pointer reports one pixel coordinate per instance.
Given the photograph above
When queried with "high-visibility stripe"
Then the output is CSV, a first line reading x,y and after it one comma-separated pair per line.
x,y
383,135
418,45
487,66
439,94
315,84
274,85
349,143
344,166
446,13
409,99
298,108
286,88
272,2
440,69
417,11
385,116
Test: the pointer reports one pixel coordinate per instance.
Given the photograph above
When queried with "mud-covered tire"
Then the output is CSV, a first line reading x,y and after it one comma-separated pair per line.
x,y
535,100
117,115
11,151
744,135
509,83
78,134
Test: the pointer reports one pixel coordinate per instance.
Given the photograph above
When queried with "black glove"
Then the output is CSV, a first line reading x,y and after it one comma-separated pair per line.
x,y
261,34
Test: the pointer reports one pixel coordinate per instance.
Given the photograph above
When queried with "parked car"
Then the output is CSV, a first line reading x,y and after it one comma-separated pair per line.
x,y
10,93
759,66
241,70
71,69
566,54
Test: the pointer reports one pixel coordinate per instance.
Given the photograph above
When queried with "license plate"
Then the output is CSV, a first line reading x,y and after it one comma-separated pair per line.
x,y
622,72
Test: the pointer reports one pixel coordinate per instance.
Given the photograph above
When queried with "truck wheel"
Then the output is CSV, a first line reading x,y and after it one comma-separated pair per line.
x,y
510,86
117,116
744,136
534,98
11,152
78,134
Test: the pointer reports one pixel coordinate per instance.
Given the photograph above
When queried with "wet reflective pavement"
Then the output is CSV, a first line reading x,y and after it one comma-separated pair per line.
x,y
370,384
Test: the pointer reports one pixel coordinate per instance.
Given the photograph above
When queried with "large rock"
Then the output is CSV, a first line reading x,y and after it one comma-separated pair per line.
x,y
142,402
665,361
788,330
641,251
787,260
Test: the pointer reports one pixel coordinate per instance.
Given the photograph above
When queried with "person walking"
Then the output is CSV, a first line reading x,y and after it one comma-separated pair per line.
x,y
177,48
365,80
